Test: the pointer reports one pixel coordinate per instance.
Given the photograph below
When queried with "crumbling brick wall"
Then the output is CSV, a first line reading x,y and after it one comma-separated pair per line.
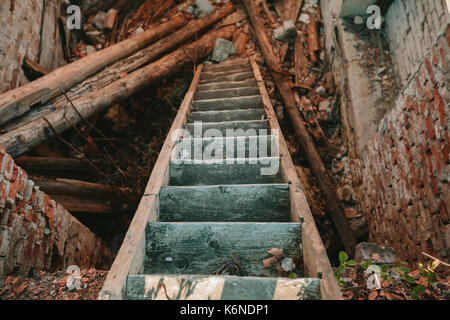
x,y
22,34
35,232
412,27
401,174
405,167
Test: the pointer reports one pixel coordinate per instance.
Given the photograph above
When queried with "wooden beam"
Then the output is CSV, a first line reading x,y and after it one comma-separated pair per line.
x,y
38,164
16,102
307,143
25,138
314,254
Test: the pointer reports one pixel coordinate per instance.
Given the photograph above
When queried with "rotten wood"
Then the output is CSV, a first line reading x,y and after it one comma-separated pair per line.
x,y
39,164
313,38
314,254
125,66
308,146
16,102
25,138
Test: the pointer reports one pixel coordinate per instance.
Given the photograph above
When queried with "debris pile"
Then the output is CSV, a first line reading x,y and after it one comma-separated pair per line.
x,y
54,286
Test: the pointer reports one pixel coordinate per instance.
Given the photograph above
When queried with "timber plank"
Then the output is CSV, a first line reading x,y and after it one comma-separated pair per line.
x,y
191,287
198,248
230,171
240,203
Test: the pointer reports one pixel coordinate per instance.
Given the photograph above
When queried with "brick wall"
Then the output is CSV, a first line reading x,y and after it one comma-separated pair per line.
x,y
35,232
404,188
21,36
412,27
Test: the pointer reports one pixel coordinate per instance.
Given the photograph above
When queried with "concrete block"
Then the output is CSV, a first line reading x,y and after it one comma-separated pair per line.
x,y
223,50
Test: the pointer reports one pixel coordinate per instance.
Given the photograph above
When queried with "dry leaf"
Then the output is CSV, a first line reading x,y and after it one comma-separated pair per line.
x,y
268,263
276,252
373,295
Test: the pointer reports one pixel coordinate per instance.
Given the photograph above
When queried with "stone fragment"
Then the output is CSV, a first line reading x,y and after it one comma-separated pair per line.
x,y
288,265
379,255
222,50
203,8
290,29
358,20
99,20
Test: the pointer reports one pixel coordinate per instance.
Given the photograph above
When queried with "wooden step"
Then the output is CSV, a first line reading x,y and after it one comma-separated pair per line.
x,y
226,115
192,287
227,93
236,128
202,248
212,75
226,85
241,76
226,147
247,102
238,203
221,172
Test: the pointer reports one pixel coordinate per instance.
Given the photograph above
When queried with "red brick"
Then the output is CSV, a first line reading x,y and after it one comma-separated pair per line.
x,y
430,129
430,71
448,36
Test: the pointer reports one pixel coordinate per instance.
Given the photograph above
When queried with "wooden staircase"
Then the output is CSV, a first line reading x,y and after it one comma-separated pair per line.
x,y
223,193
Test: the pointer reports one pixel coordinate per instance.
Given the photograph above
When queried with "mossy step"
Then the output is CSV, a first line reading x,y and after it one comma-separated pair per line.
x,y
226,85
191,287
206,248
229,128
246,102
215,148
221,116
225,171
227,93
239,76
238,203
213,74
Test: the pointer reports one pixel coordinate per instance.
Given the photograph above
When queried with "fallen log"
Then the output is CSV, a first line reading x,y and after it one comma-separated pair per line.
x,y
40,164
300,61
149,54
75,204
25,138
313,38
16,102
82,189
307,143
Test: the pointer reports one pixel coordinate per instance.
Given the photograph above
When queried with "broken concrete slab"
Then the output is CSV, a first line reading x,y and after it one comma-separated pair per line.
x,y
379,255
223,50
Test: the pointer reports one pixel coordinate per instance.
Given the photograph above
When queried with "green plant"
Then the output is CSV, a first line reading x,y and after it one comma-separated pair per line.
x,y
344,264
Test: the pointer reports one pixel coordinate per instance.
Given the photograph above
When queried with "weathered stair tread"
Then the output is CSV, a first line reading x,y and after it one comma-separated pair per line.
x,y
227,93
238,203
194,287
226,147
229,128
241,76
247,102
233,115
221,172
201,248
211,75
226,85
